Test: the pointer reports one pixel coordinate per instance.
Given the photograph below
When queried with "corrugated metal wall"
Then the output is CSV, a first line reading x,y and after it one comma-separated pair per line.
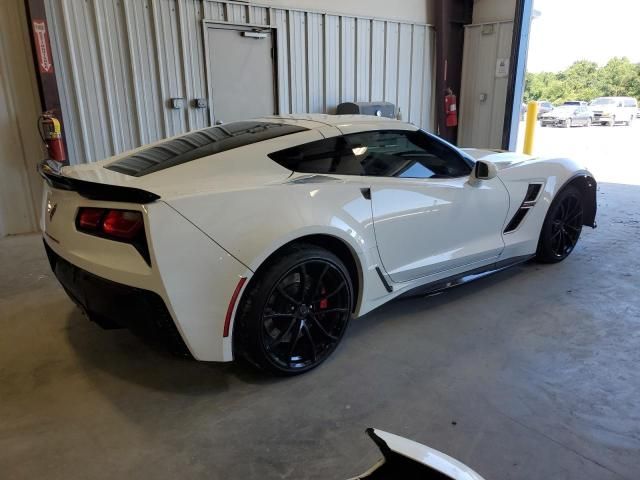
x,y
119,62
482,121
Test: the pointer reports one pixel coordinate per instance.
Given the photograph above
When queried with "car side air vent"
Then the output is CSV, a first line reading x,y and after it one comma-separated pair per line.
x,y
533,190
516,220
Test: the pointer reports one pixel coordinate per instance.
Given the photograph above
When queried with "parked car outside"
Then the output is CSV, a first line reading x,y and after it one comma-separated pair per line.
x,y
544,107
612,110
567,116
575,103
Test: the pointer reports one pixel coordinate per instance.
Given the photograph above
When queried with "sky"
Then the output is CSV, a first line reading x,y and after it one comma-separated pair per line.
x,y
571,30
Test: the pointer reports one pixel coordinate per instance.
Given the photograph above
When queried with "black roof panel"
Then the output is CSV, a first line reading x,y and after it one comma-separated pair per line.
x,y
202,143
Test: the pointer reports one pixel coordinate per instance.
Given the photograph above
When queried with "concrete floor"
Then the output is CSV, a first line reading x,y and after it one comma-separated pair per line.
x,y
530,374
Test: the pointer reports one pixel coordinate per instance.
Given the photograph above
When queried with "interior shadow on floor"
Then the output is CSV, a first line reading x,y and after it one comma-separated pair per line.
x,y
123,355
416,303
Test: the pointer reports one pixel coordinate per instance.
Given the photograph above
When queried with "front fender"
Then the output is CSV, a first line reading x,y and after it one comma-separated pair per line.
x,y
554,174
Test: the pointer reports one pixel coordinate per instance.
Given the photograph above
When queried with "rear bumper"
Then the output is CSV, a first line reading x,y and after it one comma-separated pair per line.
x,y
113,304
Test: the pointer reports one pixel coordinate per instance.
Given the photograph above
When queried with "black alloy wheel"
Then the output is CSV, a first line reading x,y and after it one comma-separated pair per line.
x,y
306,314
297,312
562,226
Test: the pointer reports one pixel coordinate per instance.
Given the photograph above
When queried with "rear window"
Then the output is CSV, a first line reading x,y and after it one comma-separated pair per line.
x,y
200,144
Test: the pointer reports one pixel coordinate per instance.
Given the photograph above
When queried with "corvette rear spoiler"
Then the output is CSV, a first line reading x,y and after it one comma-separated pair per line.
x,y
93,190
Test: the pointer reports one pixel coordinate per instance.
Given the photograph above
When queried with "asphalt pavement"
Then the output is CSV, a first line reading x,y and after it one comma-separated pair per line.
x,y
610,153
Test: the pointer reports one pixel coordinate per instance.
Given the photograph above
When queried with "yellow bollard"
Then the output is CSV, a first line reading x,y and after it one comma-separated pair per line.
x,y
530,128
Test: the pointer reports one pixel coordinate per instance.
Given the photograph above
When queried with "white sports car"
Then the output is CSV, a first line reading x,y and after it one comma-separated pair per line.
x,y
261,239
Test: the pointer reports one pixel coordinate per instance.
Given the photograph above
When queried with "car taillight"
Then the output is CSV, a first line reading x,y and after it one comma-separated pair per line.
x,y
119,225
122,224
90,218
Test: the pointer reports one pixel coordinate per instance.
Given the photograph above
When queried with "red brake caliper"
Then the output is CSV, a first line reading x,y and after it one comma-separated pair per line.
x,y
324,303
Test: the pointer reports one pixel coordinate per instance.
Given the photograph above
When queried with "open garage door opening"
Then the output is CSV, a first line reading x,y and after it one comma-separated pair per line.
x,y
584,72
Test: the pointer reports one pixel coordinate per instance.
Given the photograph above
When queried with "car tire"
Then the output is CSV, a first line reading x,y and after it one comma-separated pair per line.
x,y
295,311
562,226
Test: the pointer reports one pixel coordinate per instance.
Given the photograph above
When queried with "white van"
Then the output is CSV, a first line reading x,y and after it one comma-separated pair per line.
x,y
612,110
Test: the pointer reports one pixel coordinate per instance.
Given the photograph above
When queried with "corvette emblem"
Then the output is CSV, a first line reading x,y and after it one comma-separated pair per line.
x,y
51,209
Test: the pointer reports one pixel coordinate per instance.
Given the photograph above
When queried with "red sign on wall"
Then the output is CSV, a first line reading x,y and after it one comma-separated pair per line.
x,y
43,50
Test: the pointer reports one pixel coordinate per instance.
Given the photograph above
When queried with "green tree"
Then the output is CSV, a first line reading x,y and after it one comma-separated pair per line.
x,y
584,80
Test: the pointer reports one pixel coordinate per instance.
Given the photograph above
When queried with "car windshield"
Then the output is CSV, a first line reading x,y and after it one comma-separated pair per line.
x,y
571,103
603,101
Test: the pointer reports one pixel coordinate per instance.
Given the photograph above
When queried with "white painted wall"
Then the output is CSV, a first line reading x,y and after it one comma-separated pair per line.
x,y
406,10
485,11
20,145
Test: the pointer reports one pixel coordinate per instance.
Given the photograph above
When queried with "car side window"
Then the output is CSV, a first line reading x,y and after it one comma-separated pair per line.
x,y
379,153
331,155
405,154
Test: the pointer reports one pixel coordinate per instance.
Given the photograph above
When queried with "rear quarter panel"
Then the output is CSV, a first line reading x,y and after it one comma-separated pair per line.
x,y
252,224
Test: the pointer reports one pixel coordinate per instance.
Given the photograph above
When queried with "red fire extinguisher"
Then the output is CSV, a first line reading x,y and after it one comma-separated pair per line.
x,y
451,109
51,133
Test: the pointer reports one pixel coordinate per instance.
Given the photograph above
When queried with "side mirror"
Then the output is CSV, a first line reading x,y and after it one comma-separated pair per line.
x,y
483,170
